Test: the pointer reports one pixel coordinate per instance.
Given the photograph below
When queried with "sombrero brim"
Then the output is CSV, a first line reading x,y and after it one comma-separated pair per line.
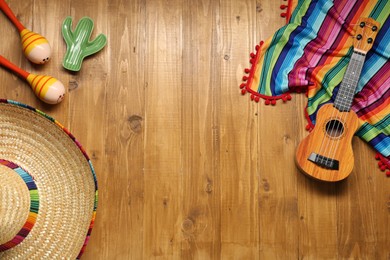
x,y
61,182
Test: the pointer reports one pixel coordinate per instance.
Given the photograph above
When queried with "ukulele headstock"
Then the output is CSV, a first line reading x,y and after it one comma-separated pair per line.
x,y
365,33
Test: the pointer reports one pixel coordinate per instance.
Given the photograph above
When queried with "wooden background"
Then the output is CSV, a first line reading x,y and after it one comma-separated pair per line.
x,y
187,167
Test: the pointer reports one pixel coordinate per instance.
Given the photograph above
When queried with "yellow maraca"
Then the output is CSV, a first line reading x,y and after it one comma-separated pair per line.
x,y
46,88
35,47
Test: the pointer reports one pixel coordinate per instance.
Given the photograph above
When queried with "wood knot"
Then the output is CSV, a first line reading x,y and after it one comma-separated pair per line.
x,y
266,185
94,155
388,204
187,226
209,186
259,9
165,202
286,139
73,84
135,123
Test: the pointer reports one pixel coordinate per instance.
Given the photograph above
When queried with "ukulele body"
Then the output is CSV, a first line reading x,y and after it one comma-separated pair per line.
x,y
326,153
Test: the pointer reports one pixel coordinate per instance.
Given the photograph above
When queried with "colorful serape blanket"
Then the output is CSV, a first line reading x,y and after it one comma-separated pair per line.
x,y
310,54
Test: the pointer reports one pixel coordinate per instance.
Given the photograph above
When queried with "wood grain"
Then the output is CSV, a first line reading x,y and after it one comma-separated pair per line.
x,y
200,222
187,167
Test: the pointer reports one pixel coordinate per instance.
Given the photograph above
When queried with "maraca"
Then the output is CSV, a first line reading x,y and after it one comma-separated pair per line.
x,y
46,88
35,47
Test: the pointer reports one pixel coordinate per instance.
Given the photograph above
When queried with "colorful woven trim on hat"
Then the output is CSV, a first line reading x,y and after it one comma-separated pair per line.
x,y
34,205
83,152
310,55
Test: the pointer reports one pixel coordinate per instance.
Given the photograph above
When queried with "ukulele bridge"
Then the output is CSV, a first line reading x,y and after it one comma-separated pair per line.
x,y
324,161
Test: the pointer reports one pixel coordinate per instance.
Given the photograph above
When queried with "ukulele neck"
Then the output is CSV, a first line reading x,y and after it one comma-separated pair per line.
x,y
343,101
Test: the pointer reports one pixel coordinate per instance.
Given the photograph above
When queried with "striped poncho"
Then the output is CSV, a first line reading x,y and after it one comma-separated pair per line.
x,y
310,54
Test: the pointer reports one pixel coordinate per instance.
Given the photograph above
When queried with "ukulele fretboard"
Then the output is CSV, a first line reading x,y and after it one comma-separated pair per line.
x,y
349,83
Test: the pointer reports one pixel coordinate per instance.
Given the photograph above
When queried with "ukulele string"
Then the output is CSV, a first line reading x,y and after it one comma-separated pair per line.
x,y
341,131
337,133
320,151
324,158
332,134
341,134
356,68
329,131
326,140
335,130
327,148
337,127
337,122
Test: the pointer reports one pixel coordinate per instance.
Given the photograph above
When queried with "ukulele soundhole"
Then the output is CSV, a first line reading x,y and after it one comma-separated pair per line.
x,y
334,128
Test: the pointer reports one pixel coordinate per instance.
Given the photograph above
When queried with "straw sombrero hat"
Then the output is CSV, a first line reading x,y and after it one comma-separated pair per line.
x,y
48,188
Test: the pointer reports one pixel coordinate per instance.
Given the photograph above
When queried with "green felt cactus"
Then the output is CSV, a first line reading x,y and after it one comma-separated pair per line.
x,y
78,44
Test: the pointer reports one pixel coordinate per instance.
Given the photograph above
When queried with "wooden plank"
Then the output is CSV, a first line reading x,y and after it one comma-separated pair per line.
x,y
361,212
381,200
238,135
45,26
87,111
163,125
119,233
278,202
200,224
318,220
279,125
317,210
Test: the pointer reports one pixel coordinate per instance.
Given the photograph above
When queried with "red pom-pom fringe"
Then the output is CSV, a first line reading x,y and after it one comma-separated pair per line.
x,y
287,13
272,100
250,71
247,79
383,164
310,125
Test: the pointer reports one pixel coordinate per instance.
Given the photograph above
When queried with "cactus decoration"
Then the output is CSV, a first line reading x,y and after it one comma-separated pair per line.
x,y
78,44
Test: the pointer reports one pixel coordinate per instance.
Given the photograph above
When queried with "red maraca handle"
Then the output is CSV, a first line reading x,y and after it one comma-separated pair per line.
x,y
46,88
9,65
8,12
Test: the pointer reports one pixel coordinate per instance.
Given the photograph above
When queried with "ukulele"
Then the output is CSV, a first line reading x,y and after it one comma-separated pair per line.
x,y
326,153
